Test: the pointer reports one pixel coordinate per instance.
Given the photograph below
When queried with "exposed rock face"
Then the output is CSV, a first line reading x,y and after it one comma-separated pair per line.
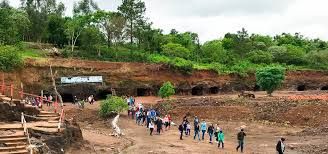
x,y
13,113
146,79
58,143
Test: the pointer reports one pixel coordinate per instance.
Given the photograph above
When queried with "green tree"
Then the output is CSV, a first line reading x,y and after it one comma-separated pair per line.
x,y
85,7
133,11
270,78
240,43
166,90
175,50
56,30
213,51
288,54
318,59
74,27
259,57
13,25
91,39
112,105
10,59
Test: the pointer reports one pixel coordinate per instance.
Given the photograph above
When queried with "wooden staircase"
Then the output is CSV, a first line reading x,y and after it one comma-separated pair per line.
x,y
14,142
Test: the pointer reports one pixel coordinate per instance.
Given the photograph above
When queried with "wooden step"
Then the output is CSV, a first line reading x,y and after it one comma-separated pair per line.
x,y
14,144
47,130
14,148
48,115
16,152
17,134
47,118
47,112
53,121
4,140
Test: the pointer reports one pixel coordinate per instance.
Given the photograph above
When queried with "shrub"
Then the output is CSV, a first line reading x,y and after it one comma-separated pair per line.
x,y
260,57
10,59
181,64
156,58
166,90
175,50
270,78
288,54
318,59
112,105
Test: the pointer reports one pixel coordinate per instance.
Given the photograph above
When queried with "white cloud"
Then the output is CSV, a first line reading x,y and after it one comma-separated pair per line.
x,y
211,19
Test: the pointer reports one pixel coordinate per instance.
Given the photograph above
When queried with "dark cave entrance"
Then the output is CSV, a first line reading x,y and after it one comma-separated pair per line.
x,y
214,90
197,91
142,92
102,94
301,88
324,88
67,97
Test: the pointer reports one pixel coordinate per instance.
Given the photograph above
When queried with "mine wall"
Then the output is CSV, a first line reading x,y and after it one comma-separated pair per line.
x,y
140,79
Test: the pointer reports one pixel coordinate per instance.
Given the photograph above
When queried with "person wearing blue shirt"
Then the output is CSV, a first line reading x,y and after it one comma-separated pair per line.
x,y
203,128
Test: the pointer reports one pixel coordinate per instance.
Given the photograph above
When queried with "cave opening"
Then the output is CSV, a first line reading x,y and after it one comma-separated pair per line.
x,y
102,94
324,87
214,90
197,91
142,92
301,88
256,88
67,97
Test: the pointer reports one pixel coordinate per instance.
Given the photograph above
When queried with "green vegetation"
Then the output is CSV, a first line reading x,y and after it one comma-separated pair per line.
x,y
166,90
10,59
128,36
112,105
270,78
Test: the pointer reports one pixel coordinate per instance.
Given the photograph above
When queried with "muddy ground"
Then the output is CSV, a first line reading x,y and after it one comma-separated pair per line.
x,y
302,123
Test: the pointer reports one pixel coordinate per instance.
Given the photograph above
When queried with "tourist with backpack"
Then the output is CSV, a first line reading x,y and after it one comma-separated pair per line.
x,y
203,128
221,139
196,129
240,137
210,131
188,129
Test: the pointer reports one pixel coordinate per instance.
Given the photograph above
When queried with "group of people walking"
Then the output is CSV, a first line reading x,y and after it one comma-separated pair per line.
x,y
202,127
217,132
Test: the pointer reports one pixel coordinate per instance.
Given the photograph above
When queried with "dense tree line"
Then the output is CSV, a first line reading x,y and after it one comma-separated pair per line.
x,y
127,35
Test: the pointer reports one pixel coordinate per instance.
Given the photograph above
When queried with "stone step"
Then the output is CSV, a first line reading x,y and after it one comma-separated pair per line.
x,y
14,148
15,139
16,152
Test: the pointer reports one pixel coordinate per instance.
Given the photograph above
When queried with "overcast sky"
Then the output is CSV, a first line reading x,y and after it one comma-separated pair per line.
x,y
211,19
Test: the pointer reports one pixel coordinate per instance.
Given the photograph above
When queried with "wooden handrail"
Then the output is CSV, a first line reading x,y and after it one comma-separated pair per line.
x,y
61,119
24,125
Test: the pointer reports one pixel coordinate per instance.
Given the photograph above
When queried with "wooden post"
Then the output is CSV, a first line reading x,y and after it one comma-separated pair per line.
x,y
11,91
3,84
22,91
41,101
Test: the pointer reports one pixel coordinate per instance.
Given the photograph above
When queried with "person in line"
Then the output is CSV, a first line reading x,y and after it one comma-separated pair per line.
x,y
196,129
90,99
49,100
221,139
133,111
203,127
281,146
170,120
151,128
196,121
185,123
181,130
144,117
166,122
240,137
159,125
188,129
148,118
210,131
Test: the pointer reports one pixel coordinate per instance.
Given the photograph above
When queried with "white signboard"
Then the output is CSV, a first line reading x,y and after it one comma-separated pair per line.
x,y
81,79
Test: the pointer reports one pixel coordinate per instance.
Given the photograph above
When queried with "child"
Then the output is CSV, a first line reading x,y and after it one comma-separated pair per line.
x,y
151,128
221,139
188,129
